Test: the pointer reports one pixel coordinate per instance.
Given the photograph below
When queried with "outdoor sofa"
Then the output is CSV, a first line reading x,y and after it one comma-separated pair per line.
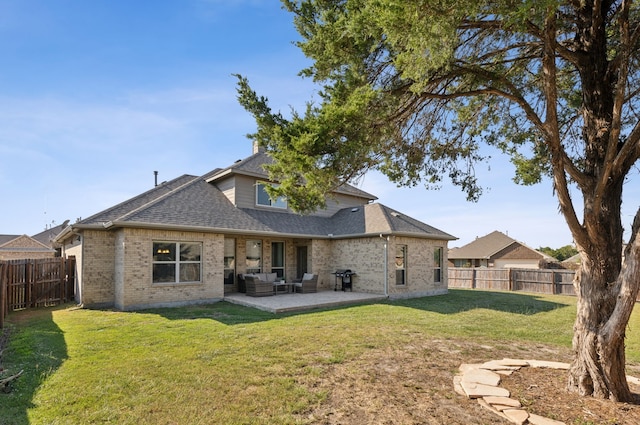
x,y
259,285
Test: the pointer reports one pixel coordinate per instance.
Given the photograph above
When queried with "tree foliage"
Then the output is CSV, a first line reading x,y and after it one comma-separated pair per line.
x,y
415,88
561,253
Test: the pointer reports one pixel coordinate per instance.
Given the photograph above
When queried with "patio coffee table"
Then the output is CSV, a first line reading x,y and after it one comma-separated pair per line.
x,y
287,285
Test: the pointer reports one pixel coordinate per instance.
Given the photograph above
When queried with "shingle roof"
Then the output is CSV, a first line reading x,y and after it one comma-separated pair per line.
x,y
190,202
47,236
254,166
7,238
139,201
483,247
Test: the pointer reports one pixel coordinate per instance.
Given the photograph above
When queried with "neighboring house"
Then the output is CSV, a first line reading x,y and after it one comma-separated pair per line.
x,y
497,250
17,247
186,241
47,237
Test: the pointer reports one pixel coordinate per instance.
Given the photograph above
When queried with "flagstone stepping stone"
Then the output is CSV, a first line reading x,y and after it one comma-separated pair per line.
x,y
496,365
541,420
502,401
633,380
457,387
548,364
482,376
513,362
475,390
488,406
517,416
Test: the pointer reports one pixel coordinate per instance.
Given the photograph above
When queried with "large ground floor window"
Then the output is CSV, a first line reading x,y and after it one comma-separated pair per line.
x,y
177,262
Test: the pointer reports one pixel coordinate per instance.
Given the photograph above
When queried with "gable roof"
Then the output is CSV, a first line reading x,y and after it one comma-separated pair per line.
x,y
192,203
254,166
22,243
484,247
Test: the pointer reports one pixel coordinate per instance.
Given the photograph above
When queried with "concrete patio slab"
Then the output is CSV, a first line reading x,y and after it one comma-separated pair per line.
x,y
284,303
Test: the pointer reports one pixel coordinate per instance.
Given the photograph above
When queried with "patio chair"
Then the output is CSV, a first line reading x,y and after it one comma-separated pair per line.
x,y
257,288
308,284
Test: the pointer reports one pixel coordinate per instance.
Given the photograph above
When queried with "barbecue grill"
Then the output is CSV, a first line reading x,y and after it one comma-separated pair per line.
x,y
345,276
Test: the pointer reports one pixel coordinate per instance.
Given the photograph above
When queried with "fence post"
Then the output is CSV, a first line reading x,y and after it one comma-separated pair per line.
x,y
28,281
473,279
554,289
3,293
510,276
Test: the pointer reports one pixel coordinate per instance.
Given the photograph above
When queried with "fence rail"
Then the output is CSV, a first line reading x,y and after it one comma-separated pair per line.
x,y
33,283
546,281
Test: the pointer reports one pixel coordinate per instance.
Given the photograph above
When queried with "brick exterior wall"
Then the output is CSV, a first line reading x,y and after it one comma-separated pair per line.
x,y
133,262
98,268
366,257
115,267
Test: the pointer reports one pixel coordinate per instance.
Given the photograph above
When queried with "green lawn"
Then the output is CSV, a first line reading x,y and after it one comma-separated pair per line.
x,y
235,365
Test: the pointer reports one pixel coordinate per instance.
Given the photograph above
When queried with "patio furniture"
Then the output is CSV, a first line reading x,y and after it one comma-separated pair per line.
x,y
282,286
308,284
257,288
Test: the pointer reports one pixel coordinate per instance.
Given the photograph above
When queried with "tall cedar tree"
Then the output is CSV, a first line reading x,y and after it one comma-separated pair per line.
x,y
414,88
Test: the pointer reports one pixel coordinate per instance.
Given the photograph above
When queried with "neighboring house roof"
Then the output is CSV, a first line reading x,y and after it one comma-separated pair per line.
x,y
47,236
22,243
487,247
7,238
193,203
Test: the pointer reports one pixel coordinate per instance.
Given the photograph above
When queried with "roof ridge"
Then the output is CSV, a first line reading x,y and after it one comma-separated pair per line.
x,y
141,195
160,198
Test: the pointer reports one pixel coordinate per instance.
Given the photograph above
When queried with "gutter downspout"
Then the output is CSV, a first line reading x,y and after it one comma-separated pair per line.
x,y
386,264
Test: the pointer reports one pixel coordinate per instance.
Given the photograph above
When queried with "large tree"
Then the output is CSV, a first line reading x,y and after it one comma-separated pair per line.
x,y
414,88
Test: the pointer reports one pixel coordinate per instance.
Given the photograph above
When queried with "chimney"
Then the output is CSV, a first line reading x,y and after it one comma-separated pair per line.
x,y
257,148
155,174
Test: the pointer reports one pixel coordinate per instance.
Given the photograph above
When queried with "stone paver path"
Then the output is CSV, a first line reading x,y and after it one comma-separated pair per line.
x,y
481,381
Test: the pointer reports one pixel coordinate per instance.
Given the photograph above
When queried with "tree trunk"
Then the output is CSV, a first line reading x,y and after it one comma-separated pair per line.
x,y
604,308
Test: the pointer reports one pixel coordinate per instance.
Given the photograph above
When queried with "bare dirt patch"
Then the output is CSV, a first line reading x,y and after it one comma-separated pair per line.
x,y
414,385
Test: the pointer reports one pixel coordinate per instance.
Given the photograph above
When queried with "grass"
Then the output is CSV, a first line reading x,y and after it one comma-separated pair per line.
x,y
224,363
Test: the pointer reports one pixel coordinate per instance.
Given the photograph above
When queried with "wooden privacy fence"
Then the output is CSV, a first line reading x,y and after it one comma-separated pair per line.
x,y
546,281
35,283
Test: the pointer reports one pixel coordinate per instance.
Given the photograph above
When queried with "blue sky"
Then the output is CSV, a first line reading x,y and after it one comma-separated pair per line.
x,y
96,95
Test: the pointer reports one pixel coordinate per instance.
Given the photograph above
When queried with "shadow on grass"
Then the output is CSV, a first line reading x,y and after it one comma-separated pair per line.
x,y
458,300
35,344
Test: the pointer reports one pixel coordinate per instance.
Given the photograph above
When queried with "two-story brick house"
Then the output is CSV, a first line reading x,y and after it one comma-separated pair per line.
x,y
186,241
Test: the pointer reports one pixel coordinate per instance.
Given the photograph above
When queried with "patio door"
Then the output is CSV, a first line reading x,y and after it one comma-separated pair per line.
x,y
301,261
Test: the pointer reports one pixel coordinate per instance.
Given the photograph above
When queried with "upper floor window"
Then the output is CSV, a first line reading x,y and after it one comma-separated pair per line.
x,y
262,198
177,262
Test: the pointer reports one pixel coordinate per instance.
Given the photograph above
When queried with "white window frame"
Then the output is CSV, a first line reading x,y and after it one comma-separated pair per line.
x,y
438,253
401,268
280,203
177,262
